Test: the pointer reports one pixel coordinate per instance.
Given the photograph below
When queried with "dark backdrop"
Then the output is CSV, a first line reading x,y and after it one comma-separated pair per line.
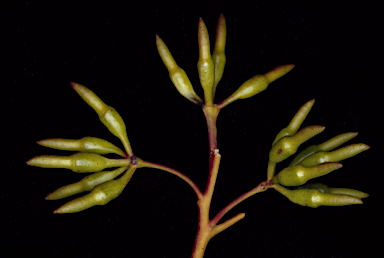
x,y
109,46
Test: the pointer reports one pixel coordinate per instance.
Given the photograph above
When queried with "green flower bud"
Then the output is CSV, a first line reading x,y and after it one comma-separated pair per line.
x,y
313,198
205,64
347,191
336,141
325,189
325,146
296,122
334,156
218,56
299,175
177,75
100,195
108,115
250,88
86,184
86,144
256,84
79,162
288,145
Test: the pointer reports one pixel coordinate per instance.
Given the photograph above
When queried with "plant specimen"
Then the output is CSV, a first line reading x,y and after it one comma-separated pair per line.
x,y
104,186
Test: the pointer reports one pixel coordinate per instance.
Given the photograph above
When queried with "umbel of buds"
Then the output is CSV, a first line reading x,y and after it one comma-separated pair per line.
x,y
105,185
313,162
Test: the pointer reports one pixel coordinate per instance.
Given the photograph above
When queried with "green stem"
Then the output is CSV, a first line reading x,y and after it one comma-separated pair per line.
x,y
211,113
263,186
204,230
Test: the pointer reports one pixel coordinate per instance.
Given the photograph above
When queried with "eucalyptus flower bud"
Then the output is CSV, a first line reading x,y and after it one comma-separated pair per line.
x,y
100,195
325,146
86,184
299,175
334,156
257,84
313,198
177,75
79,162
326,189
296,121
108,115
218,56
288,145
205,65
86,144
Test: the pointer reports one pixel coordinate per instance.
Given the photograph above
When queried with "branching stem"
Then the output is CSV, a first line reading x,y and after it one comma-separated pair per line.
x,y
258,189
209,228
172,171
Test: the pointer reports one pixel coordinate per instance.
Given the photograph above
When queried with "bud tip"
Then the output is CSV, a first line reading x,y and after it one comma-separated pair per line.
x,y
58,211
30,161
290,66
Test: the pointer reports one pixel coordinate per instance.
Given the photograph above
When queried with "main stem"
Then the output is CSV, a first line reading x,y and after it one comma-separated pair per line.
x,y
208,228
205,228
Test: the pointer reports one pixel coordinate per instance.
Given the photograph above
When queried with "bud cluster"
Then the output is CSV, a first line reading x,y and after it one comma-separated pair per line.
x,y
103,185
313,162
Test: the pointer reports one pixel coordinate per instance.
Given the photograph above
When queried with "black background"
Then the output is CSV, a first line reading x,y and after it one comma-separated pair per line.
x,y
109,46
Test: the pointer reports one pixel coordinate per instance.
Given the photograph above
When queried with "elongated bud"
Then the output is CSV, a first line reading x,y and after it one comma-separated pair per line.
x,y
325,189
108,115
205,64
86,184
90,98
296,121
347,191
336,141
313,198
256,84
288,145
325,146
177,75
79,162
299,175
100,195
218,56
115,124
86,144
334,156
